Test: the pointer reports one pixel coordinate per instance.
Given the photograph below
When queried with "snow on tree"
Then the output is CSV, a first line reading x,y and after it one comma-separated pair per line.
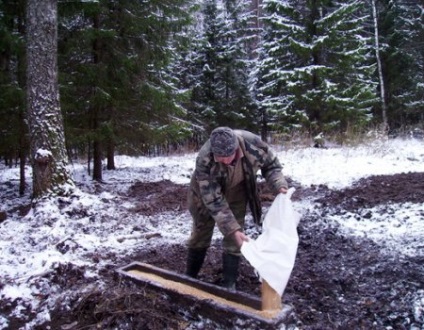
x,y
221,94
47,140
315,68
401,34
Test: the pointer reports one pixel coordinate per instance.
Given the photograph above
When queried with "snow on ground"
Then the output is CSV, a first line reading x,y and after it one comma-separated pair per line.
x,y
340,167
35,244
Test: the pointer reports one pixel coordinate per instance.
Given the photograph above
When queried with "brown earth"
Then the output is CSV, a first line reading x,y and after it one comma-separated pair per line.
x,y
338,281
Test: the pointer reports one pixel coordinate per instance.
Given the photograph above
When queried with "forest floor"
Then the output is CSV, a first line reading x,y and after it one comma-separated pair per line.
x,y
338,281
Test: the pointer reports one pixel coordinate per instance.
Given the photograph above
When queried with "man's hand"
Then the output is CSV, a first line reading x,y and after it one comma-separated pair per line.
x,y
283,190
239,237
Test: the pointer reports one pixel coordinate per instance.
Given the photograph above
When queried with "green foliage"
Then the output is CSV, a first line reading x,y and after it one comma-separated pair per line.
x,y
316,66
145,75
219,68
115,59
12,99
402,30
12,95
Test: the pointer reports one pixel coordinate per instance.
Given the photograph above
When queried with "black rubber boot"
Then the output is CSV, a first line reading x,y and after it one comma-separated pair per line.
x,y
195,258
230,264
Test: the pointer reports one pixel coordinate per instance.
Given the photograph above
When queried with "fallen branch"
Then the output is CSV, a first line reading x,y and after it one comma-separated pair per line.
x,y
138,236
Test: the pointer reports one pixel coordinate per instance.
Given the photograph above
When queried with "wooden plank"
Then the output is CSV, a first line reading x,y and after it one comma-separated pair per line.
x,y
239,297
211,301
271,300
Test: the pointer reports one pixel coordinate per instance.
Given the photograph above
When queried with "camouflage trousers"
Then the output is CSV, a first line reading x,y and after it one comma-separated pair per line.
x,y
204,224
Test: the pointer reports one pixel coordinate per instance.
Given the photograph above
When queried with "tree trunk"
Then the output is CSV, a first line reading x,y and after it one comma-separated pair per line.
x,y
314,108
89,157
264,123
97,161
97,144
380,70
110,155
22,161
23,128
47,140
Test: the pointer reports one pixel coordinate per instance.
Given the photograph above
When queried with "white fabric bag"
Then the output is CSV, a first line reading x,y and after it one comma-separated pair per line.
x,y
273,253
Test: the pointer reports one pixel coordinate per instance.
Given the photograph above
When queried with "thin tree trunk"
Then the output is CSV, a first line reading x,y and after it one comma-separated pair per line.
x,y
110,155
97,145
97,161
380,69
22,162
89,157
23,129
264,123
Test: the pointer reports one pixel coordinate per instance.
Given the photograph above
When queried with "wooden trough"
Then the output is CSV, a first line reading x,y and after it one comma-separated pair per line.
x,y
210,301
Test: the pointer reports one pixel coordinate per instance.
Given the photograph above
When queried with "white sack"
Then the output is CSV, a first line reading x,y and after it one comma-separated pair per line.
x,y
273,253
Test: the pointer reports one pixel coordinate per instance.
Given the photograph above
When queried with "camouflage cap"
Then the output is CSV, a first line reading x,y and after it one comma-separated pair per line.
x,y
224,142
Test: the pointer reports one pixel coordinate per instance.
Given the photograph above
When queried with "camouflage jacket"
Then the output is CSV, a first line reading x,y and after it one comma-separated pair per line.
x,y
209,179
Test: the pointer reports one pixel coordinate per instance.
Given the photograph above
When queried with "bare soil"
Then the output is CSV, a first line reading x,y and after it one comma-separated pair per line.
x,y
338,282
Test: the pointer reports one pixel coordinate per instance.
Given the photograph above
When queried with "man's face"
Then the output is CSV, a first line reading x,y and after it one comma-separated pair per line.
x,y
225,160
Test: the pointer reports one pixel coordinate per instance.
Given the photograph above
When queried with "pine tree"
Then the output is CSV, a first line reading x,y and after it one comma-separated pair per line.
x,y
237,101
205,90
221,96
315,68
401,26
13,129
282,25
115,59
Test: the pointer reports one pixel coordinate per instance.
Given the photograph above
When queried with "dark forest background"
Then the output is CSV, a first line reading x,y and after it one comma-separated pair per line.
x,y
151,77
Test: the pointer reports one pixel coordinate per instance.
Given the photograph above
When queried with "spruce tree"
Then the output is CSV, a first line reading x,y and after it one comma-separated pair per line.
x,y
236,107
401,26
315,68
14,143
115,59
220,92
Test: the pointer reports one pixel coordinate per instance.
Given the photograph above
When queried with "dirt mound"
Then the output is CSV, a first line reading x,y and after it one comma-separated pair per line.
x,y
376,190
155,197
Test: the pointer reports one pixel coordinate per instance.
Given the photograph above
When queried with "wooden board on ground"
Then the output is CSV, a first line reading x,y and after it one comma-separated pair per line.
x,y
205,299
